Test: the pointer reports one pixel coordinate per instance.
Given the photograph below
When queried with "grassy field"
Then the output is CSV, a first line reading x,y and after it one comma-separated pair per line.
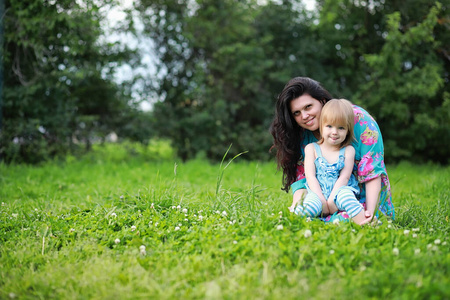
x,y
130,228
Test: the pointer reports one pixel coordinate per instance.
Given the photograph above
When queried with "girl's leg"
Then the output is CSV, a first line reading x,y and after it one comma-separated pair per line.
x,y
346,200
312,206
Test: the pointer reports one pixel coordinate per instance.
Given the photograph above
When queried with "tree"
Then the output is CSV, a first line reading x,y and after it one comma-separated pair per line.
x,y
223,63
56,90
406,90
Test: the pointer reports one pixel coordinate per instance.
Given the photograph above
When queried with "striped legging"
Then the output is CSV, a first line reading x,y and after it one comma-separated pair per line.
x,y
345,200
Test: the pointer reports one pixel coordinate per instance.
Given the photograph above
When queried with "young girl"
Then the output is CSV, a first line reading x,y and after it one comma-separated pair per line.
x,y
329,164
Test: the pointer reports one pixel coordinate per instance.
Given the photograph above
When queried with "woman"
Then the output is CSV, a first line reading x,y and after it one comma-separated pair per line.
x,y
296,124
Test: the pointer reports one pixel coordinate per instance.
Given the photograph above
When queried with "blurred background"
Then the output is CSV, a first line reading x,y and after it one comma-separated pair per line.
x,y
195,76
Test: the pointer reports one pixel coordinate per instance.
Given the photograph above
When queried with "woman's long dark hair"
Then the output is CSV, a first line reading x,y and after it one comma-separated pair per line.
x,y
287,134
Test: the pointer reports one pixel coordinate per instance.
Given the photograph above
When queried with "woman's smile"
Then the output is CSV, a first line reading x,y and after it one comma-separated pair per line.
x,y
306,112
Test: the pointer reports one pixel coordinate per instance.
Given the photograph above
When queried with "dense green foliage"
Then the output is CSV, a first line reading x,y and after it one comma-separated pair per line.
x,y
222,64
409,71
57,89
75,230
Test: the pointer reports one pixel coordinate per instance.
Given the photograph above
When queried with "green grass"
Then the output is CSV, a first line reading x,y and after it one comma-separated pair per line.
x,y
59,223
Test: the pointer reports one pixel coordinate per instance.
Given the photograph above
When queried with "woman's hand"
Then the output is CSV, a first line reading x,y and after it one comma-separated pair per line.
x,y
297,198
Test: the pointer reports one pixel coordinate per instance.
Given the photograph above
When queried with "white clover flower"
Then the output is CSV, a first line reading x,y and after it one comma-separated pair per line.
x,y
217,212
71,230
280,212
280,227
429,246
389,226
179,207
406,232
390,222
415,229
156,224
15,215
353,230
417,251
121,197
177,228
184,210
336,221
224,213
173,207
431,229
114,215
186,220
3,203
142,248
434,248
308,219
200,218
235,242
133,228
116,241
307,233
395,251
179,224
152,206
414,235
444,243
437,241
331,251
34,209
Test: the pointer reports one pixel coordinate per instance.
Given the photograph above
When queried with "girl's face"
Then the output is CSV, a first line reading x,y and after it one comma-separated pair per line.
x,y
334,134
306,112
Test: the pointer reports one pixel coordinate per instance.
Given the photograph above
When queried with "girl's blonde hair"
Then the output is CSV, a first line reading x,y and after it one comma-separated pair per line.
x,y
338,112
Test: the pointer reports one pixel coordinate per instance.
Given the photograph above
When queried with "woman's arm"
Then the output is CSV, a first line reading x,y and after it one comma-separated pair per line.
x,y
310,173
370,156
373,189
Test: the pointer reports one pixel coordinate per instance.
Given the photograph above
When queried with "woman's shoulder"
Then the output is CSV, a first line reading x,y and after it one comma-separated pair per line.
x,y
365,125
360,113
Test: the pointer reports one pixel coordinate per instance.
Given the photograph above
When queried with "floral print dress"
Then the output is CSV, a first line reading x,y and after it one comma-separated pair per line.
x,y
369,163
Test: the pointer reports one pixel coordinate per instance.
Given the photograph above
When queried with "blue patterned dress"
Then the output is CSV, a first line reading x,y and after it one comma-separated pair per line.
x,y
328,173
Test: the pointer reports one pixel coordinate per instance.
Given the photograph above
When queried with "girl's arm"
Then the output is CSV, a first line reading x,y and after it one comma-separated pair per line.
x,y
310,173
344,176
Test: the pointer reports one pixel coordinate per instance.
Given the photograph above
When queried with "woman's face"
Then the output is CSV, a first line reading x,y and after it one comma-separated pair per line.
x,y
306,112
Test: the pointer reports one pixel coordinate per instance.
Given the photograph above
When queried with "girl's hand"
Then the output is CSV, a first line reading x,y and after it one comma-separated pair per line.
x,y
332,207
325,209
